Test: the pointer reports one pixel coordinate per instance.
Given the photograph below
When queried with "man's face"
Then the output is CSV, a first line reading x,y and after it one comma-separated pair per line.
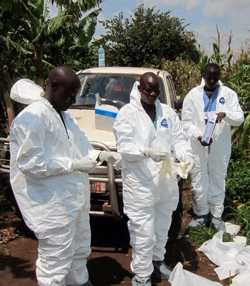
x,y
211,77
149,89
64,93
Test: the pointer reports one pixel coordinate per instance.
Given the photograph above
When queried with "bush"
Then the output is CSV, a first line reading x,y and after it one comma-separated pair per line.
x,y
241,216
238,181
239,81
185,74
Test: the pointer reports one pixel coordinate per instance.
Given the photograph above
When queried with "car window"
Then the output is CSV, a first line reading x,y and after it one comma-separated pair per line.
x,y
171,90
114,87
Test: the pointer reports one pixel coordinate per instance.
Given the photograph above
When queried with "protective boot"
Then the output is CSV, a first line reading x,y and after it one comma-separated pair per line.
x,y
161,271
137,281
197,221
218,224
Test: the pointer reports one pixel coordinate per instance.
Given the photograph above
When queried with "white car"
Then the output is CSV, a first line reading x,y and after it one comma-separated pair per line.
x,y
104,90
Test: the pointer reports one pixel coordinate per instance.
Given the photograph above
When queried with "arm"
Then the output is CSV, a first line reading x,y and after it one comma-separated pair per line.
x,y
124,133
234,114
29,133
181,145
190,129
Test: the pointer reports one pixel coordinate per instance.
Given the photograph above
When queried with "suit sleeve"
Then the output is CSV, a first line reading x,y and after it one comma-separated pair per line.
x,y
234,113
28,133
191,130
181,144
125,138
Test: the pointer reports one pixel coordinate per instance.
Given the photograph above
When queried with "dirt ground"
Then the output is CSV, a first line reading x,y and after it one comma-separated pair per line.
x,y
110,258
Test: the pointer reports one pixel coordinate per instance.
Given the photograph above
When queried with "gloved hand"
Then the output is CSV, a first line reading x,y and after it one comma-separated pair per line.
x,y
84,165
156,155
204,144
183,168
108,156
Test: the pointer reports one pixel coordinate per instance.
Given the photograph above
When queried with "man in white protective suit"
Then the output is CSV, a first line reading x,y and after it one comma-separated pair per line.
x,y
146,131
50,159
210,100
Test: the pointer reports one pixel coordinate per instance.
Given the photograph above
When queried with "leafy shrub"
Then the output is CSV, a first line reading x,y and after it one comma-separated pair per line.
x,y
238,182
239,81
185,74
200,234
242,217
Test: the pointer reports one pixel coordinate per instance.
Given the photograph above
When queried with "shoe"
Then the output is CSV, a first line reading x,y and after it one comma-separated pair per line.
x,y
137,281
218,224
199,221
161,271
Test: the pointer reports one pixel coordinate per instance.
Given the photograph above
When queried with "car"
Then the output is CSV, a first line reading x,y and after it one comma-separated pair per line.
x,y
104,91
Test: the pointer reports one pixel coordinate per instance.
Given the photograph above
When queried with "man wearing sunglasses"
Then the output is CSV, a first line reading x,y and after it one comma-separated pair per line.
x,y
146,132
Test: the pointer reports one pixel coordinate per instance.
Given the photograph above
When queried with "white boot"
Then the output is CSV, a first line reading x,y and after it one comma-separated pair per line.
x,y
199,221
137,281
218,224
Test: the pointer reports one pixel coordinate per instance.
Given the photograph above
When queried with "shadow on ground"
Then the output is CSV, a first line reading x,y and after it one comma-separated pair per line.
x,y
105,271
20,268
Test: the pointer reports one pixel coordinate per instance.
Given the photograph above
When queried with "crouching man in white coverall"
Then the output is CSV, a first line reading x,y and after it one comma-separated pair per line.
x,y
146,131
211,160
50,159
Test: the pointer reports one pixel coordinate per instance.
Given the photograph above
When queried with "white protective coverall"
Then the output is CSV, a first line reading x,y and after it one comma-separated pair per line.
x,y
148,200
53,199
210,164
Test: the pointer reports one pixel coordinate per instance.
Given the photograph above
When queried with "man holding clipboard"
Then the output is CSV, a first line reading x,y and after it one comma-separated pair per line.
x,y
209,111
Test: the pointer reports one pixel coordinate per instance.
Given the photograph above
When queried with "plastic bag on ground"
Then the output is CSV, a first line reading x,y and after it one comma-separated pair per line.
x,y
242,279
181,277
228,269
220,252
231,228
231,257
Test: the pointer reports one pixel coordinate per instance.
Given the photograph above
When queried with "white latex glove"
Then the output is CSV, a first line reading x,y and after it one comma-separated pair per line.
x,y
84,165
166,169
108,156
183,168
156,155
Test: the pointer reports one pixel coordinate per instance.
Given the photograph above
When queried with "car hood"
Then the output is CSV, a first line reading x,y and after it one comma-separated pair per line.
x,y
95,129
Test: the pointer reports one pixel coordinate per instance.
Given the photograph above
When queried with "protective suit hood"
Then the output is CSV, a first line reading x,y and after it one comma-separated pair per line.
x,y
135,96
25,91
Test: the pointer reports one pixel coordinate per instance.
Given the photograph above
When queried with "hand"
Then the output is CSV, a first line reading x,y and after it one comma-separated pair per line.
x,y
203,143
84,165
220,116
110,157
183,168
156,155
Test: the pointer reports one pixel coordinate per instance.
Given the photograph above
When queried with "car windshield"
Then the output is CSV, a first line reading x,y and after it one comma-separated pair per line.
x,y
112,87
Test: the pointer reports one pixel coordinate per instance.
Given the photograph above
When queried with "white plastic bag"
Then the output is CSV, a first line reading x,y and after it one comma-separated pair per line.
x,y
181,277
242,279
243,258
220,252
231,228
228,269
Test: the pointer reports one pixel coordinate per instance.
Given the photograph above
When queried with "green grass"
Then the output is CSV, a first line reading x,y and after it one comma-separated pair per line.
x,y
199,235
